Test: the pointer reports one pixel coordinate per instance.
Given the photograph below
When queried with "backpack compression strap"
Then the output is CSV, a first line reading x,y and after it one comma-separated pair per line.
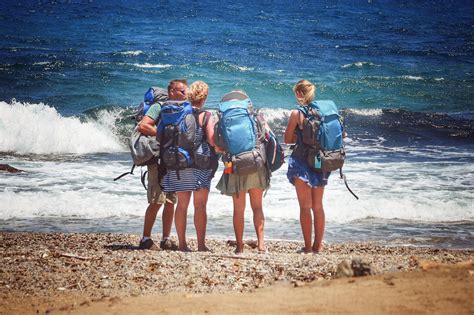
x,y
345,183
131,172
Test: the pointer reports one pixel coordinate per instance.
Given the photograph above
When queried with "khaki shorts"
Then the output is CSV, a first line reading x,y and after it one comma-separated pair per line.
x,y
154,193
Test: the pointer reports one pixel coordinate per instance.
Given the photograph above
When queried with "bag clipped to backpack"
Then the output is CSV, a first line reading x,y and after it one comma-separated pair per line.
x,y
240,134
145,150
275,156
274,152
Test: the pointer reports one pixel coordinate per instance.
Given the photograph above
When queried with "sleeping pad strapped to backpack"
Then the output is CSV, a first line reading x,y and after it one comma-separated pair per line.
x,y
241,135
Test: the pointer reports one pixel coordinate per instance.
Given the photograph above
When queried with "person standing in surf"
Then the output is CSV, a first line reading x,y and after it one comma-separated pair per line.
x,y
309,183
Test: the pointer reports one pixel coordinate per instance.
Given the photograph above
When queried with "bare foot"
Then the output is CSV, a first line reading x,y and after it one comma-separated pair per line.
x,y
185,249
203,249
318,249
304,250
239,249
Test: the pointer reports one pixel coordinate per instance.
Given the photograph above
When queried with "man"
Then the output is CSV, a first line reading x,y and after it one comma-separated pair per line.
x,y
147,126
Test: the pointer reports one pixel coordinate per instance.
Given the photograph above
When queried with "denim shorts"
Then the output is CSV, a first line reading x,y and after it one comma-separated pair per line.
x,y
300,169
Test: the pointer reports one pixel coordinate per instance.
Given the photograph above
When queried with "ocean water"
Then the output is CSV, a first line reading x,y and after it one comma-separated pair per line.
x,y
72,72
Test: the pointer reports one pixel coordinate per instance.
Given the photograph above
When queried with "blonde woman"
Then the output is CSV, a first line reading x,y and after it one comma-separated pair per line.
x,y
309,184
194,181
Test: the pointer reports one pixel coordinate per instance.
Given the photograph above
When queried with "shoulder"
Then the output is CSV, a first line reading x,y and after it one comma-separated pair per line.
x,y
294,113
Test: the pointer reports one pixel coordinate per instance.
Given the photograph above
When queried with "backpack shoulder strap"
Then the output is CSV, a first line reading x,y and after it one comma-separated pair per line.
x,y
205,120
302,110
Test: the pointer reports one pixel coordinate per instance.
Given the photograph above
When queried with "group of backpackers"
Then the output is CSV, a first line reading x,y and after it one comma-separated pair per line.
x,y
186,142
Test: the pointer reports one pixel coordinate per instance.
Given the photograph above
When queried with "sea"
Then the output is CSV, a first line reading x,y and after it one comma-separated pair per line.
x,y
401,72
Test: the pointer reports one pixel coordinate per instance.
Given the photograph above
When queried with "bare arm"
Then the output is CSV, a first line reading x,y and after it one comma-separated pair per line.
x,y
290,132
147,126
210,132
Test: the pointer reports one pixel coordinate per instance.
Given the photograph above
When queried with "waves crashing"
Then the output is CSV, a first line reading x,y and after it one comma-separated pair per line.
x,y
39,129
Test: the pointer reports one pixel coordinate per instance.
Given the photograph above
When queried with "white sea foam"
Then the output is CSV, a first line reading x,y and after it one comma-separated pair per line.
x,y
359,64
232,66
407,191
39,129
367,112
271,114
130,53
411,77
150,65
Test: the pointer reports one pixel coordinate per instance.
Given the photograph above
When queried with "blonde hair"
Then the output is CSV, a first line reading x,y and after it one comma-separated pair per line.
x,y
307,91
197,91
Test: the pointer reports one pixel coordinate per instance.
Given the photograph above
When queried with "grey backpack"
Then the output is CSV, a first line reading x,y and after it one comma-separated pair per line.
x,y
144,149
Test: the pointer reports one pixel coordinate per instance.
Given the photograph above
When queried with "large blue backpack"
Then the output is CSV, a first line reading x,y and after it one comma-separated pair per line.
x,y
322,131
176,132
322,136
241,135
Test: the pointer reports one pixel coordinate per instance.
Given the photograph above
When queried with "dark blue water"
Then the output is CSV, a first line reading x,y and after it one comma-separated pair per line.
x,y
377,54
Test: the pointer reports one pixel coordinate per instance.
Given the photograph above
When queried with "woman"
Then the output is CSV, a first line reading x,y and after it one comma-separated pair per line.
x,y
238,187
309,184
194,181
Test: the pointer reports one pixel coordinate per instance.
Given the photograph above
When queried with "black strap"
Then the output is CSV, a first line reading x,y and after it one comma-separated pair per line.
x,y
131,172
161,167
176,153
143,179
345,183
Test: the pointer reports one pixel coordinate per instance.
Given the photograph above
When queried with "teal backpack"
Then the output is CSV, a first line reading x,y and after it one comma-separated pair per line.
x,y
240,133
322,132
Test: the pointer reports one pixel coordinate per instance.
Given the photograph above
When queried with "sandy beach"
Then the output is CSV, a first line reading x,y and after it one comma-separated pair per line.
x,y
97,273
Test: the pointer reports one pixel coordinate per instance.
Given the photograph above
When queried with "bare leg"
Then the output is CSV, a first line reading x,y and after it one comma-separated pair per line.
x,y
150,217
319,218
303,191
239,210
200,217
181,218
256,196
167,217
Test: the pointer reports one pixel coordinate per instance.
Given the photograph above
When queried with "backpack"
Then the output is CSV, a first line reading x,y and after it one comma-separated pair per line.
x,y
322,132
202,160
152,96
144,149
241,134
274,152
322,136
176,132
180,146
275,156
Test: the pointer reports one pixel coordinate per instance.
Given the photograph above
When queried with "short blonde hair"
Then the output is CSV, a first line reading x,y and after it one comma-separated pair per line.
x,y
197,91
306,89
